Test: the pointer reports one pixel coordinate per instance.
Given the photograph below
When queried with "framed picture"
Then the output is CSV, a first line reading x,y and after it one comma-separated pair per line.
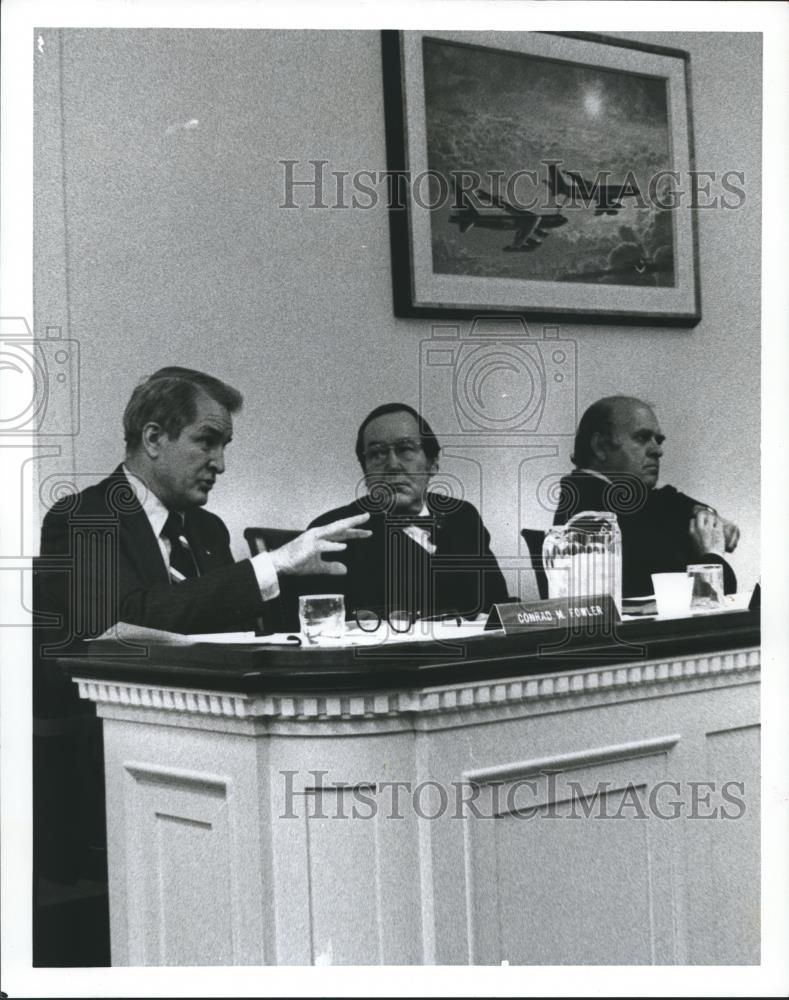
x,y
544,174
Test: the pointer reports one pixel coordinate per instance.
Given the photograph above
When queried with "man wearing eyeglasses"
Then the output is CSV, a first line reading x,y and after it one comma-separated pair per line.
x,y
429,554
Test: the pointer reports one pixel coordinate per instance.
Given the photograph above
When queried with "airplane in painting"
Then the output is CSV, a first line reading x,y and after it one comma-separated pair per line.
x,y
607,197
530,227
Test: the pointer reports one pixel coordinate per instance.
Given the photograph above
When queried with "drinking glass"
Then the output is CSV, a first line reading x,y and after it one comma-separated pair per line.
x,y
322,619
707,586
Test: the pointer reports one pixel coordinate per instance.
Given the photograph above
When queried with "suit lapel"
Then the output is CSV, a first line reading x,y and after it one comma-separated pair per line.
x,y
142,547
136,538
207,547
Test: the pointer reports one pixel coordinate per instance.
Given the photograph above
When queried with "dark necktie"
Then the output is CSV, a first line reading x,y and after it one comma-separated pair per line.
x,y
181,558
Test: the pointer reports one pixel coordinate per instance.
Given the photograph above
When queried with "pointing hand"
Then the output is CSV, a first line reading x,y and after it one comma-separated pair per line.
x,y
304,555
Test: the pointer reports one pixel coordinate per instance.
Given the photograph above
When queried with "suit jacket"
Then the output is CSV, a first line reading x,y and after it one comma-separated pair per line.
x,y
115,570
654,526
390,571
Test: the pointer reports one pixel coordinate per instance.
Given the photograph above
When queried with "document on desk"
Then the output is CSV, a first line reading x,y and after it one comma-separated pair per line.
x,y
423,631
124,632
645,607
233,638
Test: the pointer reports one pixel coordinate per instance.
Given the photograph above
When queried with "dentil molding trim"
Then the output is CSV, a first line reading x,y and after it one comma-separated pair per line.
x,y
576,685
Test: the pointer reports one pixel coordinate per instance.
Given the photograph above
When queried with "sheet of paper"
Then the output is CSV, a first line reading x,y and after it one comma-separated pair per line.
x,y
124,632
228,638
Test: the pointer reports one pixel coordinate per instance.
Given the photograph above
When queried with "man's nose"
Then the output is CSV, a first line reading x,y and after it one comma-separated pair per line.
x,y
218,461
655,448
392,459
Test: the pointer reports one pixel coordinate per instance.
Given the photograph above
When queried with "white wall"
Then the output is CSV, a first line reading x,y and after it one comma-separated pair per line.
x,y
176,252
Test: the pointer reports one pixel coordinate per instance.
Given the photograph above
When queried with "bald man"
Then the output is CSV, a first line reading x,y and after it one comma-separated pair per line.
x,y
618,447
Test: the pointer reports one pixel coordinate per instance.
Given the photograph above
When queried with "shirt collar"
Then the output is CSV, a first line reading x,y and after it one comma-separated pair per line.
x,y
155,510
593,472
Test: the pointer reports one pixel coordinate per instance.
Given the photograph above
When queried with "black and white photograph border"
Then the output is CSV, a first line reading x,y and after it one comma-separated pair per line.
x,y
23,457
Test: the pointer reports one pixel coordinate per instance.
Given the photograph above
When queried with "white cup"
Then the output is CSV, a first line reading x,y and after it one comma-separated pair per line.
x,y
673,592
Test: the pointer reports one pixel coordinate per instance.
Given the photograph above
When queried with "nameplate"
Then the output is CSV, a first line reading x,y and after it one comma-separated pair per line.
x,y
560,612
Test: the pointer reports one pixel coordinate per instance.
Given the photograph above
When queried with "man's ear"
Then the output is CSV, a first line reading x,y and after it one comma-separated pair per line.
x,y
433,467
599,445
152,436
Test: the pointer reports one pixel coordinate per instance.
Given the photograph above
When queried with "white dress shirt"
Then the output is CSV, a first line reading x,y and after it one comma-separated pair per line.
x,y
421,535
157,514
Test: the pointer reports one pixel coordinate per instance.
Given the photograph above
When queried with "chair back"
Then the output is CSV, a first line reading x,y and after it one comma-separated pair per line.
x,y
534,539
268,539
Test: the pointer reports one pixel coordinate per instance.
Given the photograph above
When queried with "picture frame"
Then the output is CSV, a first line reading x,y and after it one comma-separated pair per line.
x,y
546,174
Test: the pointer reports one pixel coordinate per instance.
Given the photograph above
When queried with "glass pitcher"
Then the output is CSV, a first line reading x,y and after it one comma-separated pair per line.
x,y
584,557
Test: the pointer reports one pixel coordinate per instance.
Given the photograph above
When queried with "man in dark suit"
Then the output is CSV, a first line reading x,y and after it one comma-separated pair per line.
x,y
139,546
618,447
429,554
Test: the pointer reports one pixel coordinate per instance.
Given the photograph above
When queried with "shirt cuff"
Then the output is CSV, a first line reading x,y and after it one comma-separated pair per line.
x,y
266,575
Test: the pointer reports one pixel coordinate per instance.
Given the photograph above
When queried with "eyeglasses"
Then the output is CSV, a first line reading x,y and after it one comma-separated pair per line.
x,y
405,451
370,620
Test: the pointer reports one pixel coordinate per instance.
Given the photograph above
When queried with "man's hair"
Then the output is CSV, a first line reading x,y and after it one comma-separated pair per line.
x,y
430,444
169,398
599,418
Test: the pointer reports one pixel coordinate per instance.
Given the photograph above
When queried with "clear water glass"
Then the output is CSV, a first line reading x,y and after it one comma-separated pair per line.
x,y
322,619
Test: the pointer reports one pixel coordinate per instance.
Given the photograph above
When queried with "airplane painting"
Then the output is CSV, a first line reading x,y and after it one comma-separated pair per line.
x,y
530,228
564,154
